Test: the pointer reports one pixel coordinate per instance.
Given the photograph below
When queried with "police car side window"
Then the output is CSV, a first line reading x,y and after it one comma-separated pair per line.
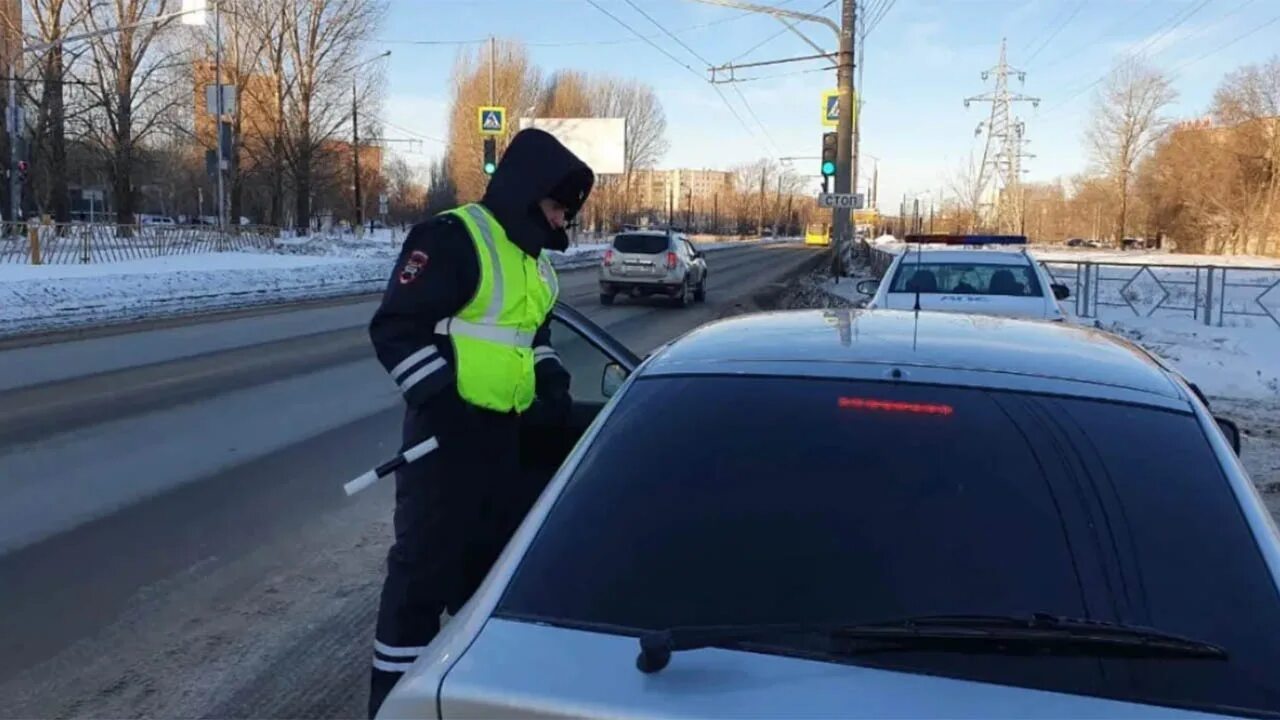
x,y
583,360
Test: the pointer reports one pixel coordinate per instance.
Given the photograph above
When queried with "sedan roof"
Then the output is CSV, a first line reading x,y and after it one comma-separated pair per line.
x,y
930,347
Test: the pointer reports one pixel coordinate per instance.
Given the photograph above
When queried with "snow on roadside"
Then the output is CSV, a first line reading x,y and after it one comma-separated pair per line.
x,y
51,297
1231,362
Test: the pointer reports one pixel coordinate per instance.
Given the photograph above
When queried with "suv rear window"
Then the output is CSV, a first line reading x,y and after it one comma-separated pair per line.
x,y
966,279
640,244
780,500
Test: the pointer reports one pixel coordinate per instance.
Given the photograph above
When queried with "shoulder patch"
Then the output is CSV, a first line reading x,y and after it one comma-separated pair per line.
x,y
413,267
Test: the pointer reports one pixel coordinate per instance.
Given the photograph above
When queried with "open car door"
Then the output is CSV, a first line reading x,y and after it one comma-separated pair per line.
x,y
597,364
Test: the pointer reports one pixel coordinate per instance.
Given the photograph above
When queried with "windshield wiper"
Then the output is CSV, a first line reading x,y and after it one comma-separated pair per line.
x,y
1037,633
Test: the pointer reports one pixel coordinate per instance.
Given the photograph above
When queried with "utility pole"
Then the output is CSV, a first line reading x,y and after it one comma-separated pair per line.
x,y
217,80
715,230
355,159
12,114
1000,175
760,222
844,128
778,205
845,180
356,186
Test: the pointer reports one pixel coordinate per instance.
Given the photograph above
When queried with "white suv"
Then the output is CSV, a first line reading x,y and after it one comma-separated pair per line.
x,y
653,262
978,280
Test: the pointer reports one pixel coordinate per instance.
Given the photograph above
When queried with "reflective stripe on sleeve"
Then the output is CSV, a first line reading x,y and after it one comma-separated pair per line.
x,y
407,384
545,352
407,363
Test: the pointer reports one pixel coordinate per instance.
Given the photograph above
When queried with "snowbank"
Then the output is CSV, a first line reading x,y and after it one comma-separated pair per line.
x,y
49,297
1232,362
46,297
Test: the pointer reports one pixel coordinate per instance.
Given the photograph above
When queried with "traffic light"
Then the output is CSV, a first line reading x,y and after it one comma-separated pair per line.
x,y
490,155
828,154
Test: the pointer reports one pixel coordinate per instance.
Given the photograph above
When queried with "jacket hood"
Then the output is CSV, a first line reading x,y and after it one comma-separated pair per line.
x,y
536,166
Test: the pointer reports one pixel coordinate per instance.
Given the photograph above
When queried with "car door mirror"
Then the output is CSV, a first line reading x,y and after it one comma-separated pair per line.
x,y
611,379
1231,431
867,287
1060,291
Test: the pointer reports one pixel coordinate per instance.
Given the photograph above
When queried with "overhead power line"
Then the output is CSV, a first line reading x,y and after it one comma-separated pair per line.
x,y
718,91
677,61
576,43
647,40
1136,52
1220,48
1056,30
788,24
1109,32
880,16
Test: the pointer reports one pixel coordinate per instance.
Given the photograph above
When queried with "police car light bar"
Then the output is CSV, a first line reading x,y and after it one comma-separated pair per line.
x,y
943,239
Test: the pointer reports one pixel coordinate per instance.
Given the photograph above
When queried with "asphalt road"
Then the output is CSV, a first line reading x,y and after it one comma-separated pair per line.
x,y
174,541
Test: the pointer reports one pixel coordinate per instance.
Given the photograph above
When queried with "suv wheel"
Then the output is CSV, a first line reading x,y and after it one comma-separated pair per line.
x,y
700,294
606,298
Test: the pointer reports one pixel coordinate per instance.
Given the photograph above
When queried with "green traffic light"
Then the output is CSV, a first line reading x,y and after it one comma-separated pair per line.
x,y
489,168
828,168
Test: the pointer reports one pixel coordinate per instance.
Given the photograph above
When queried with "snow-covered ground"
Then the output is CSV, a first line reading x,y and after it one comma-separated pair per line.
x,y
48,297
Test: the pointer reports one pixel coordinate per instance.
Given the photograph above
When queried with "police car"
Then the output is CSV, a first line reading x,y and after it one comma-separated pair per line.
x,y
986,274
962,516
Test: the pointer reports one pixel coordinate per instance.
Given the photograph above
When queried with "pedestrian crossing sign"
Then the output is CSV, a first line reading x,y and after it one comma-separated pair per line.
x,y
831,108
493,120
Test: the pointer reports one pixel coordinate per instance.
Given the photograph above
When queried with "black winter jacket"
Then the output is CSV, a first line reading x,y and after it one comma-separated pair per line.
x,y
438,272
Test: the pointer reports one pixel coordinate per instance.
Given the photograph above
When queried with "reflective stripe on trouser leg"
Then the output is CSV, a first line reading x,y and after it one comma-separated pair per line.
x,y
545,352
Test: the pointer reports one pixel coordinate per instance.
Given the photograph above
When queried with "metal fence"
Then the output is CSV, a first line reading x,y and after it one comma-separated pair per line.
x,y
1212,294
76,243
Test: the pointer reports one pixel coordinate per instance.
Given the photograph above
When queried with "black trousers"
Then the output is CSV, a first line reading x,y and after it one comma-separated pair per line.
x,y
454,514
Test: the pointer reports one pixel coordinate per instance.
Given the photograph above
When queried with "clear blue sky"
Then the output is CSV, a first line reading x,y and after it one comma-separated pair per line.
x,y
921,61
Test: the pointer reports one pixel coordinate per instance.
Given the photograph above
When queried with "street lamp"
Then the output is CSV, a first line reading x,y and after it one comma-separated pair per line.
x,y
355,138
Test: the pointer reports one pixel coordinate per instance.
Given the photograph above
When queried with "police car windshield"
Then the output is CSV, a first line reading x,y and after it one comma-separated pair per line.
x,y
966,278
793,500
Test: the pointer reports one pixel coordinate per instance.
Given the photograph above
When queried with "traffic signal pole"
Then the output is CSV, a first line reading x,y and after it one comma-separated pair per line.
x,y
846,182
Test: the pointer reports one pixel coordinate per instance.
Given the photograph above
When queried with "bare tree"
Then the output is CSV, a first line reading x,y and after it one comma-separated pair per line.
x,y
52,21
516,86
966,184
646,126
128,87
1127,122
442,193
323,39
1247,104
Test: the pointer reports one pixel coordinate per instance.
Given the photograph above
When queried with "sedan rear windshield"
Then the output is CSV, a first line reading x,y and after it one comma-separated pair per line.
x,y
640,244
966,279
727,500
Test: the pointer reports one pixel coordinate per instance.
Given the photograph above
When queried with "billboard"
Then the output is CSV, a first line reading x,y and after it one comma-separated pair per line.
x,y
599,142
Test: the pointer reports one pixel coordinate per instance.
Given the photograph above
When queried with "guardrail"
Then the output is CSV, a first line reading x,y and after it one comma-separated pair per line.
x,y
78,243
1211,294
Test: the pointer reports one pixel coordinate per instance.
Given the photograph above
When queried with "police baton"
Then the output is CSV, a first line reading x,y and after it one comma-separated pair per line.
x,y
417,451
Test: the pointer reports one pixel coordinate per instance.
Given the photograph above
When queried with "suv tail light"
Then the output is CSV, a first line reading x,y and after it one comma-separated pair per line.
x,y
608,257
671,261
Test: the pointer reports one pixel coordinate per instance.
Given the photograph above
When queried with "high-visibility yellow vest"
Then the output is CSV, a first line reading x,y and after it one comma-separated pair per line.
x,y
493,334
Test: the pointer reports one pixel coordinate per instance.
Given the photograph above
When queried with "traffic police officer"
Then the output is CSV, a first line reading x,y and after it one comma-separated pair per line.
x,y
462,330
